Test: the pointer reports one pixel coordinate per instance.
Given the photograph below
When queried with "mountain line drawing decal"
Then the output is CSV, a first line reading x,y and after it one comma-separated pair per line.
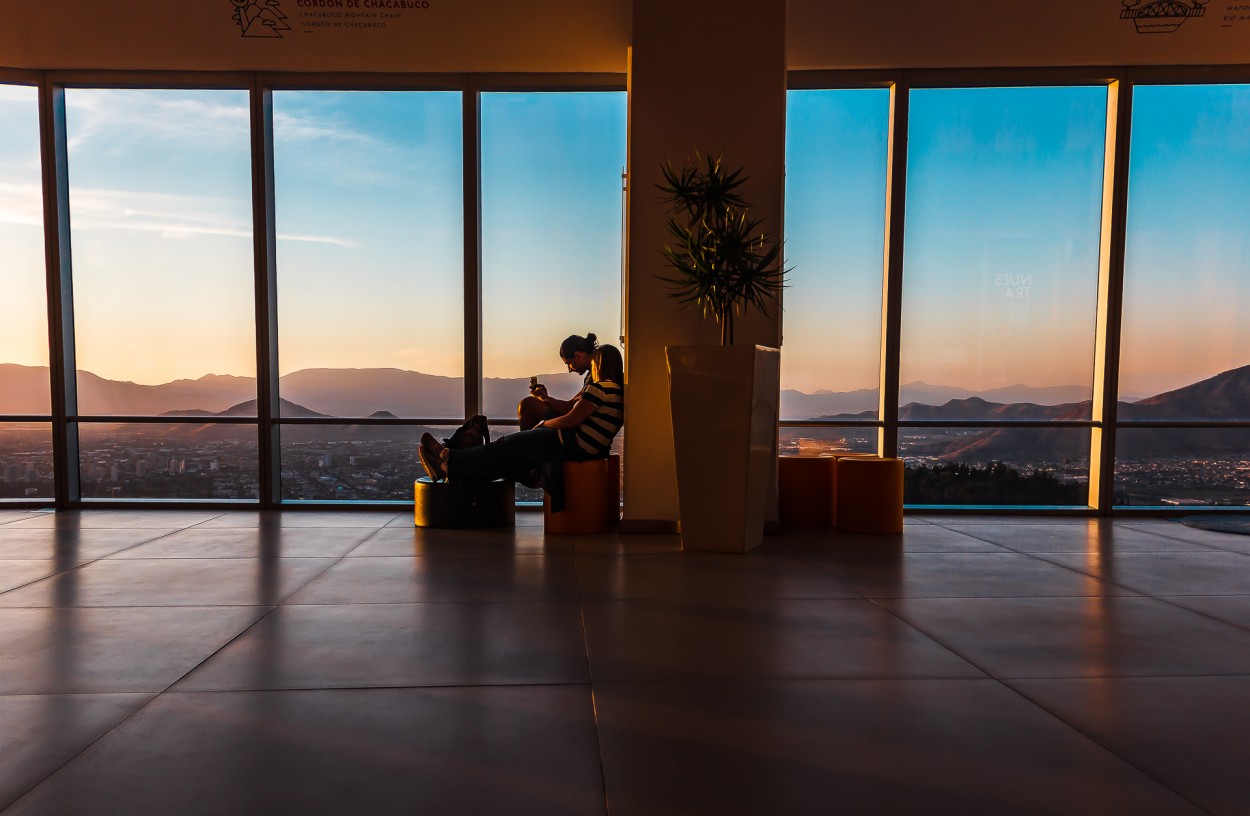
x,y
259,18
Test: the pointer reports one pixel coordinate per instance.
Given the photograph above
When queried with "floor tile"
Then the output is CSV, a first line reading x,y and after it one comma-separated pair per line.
x,y
914,538
695,577
172,582
962,575
844,746
70,545
443,578
1079,637
383,645
501,541
1175,531
1234,609
631,641
117,519
17,573
1091,537
63,651
514,750
623,544
1187,732
303,519
8,516
1192,573
264,542
957,520
39,734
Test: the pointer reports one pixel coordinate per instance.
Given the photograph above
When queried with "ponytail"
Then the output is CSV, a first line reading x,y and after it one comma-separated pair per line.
x,y
575,343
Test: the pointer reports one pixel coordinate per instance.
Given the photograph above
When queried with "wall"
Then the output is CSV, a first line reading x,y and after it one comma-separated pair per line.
x,y
998,33
361,35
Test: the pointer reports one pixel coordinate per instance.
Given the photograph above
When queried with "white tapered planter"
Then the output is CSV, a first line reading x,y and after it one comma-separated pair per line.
x,y
724,406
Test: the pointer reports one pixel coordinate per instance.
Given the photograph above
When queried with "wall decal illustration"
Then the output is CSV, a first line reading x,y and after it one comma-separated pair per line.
x,y
259,18
1160,16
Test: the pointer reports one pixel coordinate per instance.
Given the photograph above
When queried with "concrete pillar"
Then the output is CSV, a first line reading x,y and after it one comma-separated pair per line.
x,y
707,76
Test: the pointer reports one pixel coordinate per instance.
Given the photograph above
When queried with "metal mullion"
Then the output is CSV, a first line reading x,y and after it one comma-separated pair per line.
x,y
406,422
1110,299
892,285
471,105
140,79
62,361
850,423
1002,423
264,243
161,420
1201,424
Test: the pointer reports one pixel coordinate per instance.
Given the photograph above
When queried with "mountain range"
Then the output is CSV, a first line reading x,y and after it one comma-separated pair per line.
x,y
389,392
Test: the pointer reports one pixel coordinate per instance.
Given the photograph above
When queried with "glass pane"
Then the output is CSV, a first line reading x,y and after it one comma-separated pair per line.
x,y
1004,202
836,150
995,466
370,252
1185,348
23,308
168,461
551,233
352,462
25,461
161,227
1182,466
818,441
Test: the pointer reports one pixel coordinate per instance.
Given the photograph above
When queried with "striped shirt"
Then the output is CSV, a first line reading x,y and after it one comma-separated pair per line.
x,y
594,435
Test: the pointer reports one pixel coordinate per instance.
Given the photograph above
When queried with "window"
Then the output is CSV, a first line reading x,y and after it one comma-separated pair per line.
x,y
370,270
25,448
1185,348
837,145
161,234
1004,193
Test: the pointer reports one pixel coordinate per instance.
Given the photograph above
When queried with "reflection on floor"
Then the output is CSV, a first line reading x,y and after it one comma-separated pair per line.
x,y
176,662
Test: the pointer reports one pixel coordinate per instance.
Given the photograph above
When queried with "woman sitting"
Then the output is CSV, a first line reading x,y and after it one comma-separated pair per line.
x,y
585,432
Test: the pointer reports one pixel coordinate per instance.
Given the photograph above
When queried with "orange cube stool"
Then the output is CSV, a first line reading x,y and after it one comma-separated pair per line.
x,y
592,498
839,456
870,495
805,491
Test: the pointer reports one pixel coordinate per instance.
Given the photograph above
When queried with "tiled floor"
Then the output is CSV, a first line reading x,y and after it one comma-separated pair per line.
x,y
206,663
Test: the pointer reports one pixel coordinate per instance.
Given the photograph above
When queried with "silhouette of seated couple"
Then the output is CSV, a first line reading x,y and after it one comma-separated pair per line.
x,y
552,430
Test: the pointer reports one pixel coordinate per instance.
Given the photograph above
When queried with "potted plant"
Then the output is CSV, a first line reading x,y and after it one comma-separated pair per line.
x,y
723,398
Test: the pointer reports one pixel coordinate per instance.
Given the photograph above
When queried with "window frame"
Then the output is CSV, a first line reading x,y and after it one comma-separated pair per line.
x,y
66,419
1104,421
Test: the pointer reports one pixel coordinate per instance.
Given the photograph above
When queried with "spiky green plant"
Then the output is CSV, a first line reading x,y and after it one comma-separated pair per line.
x,y
722,262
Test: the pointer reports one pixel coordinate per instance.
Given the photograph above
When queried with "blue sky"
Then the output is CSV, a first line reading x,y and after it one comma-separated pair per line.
x,y
1004,192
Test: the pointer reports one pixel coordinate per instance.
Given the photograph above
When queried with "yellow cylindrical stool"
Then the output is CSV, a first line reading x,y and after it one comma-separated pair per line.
x,y
463,504
592,498
870,495
805,491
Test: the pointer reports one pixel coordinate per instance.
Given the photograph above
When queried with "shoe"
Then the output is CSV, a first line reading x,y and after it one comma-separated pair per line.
x,y
431,455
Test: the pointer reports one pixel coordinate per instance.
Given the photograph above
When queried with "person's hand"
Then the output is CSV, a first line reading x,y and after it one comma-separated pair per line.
x,y
539,391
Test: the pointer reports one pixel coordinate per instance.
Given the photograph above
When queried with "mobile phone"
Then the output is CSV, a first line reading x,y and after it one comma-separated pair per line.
x,y
533,383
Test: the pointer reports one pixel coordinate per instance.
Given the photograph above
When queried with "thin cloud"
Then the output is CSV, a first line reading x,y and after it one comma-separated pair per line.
x,y
171,216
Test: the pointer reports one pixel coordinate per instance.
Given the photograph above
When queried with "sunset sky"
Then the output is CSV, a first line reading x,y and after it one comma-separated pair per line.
x,y
1004,193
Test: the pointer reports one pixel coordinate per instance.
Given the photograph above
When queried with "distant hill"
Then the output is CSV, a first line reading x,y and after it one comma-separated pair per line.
x,y
330,392
798,405
380,392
